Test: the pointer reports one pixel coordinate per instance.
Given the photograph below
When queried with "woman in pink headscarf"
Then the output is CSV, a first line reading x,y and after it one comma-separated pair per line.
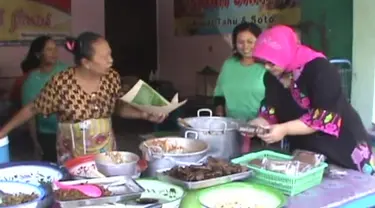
x,y
304,100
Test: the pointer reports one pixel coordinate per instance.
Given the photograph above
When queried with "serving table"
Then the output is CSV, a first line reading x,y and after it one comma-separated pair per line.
x,y
353,191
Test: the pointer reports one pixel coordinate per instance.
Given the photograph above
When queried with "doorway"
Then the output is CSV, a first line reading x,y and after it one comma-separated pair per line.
x,y
131,30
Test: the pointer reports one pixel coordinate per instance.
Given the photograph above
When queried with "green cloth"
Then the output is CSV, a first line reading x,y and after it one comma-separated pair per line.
x,y
31,89
243,88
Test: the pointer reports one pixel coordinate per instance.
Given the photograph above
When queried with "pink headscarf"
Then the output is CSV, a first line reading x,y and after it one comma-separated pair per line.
x,y
281,46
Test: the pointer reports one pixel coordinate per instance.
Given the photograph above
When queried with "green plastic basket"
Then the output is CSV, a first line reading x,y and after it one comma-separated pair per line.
x,y
289,185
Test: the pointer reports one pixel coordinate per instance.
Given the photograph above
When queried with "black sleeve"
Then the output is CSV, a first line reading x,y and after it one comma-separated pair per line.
x,y
325,93
324,85
267,109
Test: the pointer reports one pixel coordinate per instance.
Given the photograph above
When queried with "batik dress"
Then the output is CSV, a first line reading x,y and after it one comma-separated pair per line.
x,y
85,125
316,98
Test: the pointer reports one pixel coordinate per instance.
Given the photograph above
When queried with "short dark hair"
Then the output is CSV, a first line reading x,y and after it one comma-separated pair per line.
x,y
244,26
34,55
81,47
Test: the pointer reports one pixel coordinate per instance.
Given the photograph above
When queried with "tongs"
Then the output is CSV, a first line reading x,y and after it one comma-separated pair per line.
x,y
184,123
253,130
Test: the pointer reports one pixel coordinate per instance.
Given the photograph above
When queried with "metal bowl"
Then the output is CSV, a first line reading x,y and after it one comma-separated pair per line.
x,y
108,167
190,147
193,152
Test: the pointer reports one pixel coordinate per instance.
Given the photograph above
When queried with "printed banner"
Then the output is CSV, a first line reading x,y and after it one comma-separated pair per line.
x,y
23,20
209,17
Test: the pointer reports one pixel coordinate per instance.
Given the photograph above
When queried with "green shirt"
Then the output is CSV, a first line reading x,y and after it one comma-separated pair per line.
x,y
243,88
31,89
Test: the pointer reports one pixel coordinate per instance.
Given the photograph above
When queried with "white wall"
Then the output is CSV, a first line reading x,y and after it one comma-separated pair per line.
x,y
363,84
181,57
86,15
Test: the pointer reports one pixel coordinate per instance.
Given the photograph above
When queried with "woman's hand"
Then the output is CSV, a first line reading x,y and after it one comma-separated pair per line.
x,y
219,111
3,134
38,151
261,122
276,134
153,117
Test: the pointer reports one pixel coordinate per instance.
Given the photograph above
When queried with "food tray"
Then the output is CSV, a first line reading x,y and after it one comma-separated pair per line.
x,y
289,185
130,190
192,185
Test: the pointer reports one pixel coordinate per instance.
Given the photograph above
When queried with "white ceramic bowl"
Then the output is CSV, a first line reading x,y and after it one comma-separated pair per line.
x,y
108,167
31,172
19,187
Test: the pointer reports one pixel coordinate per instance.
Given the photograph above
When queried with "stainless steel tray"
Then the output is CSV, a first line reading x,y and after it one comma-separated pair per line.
x,y
130,190
192,185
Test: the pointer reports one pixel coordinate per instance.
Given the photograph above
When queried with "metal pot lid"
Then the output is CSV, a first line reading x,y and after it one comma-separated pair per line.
x,y
211,123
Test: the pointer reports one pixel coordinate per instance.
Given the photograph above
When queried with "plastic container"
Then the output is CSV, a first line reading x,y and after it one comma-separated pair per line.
x,y
4,150
289,185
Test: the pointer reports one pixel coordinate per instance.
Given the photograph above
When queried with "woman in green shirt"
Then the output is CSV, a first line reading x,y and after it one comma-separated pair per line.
x,y
240,88
42,59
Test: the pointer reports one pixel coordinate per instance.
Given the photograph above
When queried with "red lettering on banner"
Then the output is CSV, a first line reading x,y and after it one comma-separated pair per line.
x,y
240,3
20,18
206,4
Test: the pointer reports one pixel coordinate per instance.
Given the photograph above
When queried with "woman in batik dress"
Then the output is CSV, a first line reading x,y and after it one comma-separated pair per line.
x,y
84,97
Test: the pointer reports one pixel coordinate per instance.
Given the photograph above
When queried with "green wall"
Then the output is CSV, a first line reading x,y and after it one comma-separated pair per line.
x,y
338,23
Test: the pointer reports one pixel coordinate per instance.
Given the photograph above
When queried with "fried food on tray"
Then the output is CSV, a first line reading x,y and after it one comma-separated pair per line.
x,y
212,169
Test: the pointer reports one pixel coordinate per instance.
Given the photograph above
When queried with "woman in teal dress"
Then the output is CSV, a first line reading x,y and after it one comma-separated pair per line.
x,y
42,59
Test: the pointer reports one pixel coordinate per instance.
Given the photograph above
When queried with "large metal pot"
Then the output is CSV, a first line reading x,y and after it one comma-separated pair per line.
x,y
220,133
193,153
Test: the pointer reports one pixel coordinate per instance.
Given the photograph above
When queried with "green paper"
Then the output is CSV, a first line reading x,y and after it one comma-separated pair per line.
x,y
148,96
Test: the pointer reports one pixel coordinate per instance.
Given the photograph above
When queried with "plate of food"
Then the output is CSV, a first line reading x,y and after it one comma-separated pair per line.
x,y
18,194
113,189
214,172
85,167
240,194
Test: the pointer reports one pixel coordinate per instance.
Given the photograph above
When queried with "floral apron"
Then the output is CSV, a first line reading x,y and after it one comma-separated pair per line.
x,y
86,137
